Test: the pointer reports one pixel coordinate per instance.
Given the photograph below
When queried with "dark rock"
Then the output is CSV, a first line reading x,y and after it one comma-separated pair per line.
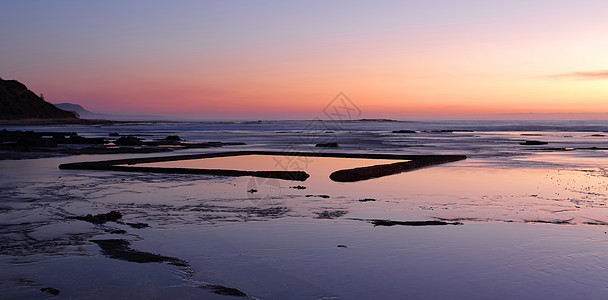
x,y
447,131
404,131
320,196
298,187
128,141
596,223
327,145
18,102
598,135
20,143
252,191
114,134
533,143
364,173
50,290
101,218
46,139
342,246
173,138
412,223
223,290
331,214
367,200
270,212
438,131
119,249
557,221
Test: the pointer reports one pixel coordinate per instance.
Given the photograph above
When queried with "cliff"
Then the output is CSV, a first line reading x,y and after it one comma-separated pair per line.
x,y
18,102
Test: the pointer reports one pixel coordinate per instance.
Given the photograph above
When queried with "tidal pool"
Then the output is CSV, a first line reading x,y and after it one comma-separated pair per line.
x,y
314,164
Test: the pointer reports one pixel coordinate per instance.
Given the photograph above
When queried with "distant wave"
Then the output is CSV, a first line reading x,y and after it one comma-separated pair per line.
x,y
384,125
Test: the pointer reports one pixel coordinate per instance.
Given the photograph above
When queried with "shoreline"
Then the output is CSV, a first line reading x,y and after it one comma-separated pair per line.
x,y
26,122
56,122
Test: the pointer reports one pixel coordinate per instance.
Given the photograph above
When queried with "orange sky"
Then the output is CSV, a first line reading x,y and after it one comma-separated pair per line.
x,y
285,60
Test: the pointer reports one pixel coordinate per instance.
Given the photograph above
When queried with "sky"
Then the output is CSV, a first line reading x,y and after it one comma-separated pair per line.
x,y
289,59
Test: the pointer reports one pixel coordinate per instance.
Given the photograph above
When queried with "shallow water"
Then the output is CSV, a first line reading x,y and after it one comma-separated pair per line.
x,y
313,164
534,221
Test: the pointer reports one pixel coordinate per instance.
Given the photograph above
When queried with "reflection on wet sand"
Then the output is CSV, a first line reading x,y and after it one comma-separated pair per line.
x,y
273,163
529,226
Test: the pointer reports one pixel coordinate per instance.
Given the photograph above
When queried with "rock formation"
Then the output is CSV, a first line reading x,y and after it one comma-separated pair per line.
x,y
18,102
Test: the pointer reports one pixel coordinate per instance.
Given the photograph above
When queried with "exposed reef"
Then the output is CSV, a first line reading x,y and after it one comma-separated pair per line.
x,y
363,173
404,131
533,143
120,249
412,223
29,144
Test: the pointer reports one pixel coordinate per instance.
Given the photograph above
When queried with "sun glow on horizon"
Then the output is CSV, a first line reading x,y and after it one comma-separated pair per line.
x,y
275,59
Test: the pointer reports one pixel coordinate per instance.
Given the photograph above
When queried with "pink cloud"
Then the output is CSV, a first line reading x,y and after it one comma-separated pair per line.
x,y
583,75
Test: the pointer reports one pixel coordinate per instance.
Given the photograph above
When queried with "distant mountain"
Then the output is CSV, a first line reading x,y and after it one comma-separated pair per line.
x,y
18,102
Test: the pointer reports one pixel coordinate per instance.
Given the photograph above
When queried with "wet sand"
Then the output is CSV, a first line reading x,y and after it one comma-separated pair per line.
x,y
526,226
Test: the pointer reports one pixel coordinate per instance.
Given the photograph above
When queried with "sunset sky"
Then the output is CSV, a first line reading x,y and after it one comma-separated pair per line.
x,y
288,59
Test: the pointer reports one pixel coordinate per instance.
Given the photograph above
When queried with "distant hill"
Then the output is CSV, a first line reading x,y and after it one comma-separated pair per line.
x,y
79,110
18,102
86,114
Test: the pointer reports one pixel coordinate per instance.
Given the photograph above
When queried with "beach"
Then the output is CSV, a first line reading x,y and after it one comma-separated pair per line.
x,y
523,216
